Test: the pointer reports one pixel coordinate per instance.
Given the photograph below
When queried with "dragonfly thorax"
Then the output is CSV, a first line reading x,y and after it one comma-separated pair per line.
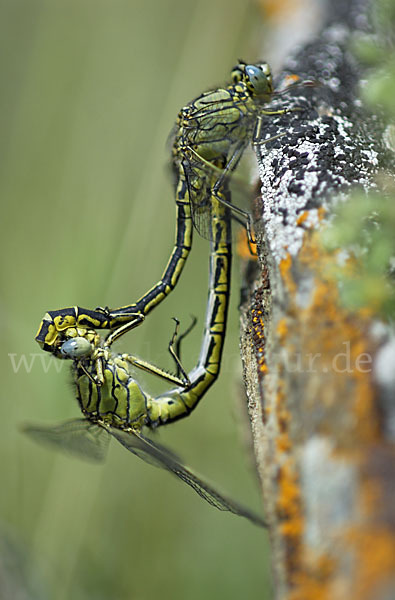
x,y
118,400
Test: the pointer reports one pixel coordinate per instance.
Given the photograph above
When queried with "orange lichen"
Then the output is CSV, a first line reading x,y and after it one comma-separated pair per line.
x,y
277,10
337,337
291,79
373,542
325,329
283,443
288,502
339,401
282,328
285,270
289,510
258,327
370,549
302,217
314,583
374,560
289,494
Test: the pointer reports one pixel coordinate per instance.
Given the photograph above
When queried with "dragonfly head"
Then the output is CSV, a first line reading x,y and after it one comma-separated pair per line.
x,y
257,77
59,326
73,343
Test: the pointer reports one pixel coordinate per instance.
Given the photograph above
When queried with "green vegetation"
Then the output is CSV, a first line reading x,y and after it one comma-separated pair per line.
x,y
365,224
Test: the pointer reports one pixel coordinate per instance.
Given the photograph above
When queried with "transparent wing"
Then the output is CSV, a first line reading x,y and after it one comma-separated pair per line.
x,y
159,456
200,179
199,184
78,437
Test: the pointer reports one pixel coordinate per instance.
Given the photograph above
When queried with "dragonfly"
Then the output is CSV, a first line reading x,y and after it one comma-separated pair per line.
x,y
114,404
208,140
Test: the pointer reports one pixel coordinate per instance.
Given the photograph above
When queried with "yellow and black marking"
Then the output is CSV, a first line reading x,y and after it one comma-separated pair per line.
x,y
114,403
174,267
210,136
105,389
179,402
213,131
59,325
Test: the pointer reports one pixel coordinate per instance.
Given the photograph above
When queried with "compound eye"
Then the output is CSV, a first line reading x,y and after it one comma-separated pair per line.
x,y
76,348
259,79
255,75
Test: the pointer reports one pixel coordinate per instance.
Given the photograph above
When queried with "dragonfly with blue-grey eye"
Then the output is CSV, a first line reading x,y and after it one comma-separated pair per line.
x,y
208,141
114,404
210,136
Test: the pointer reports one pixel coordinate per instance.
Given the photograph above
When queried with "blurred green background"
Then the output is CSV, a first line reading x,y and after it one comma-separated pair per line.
x,y
90,92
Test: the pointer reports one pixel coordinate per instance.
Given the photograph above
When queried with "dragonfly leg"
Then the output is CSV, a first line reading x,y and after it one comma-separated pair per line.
x,y
175,347
250,236
104,310
257,135
223,172
97,379
119,331
282,111
244,225
153,370
183,335
99,371
230,166
248,222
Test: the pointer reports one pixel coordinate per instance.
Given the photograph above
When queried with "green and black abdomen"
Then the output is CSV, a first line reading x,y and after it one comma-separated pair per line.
x,y
119,401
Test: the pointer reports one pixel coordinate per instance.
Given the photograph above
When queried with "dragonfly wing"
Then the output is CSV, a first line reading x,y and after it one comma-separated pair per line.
x,y
143,447
78,437
199,192
158,455
200,180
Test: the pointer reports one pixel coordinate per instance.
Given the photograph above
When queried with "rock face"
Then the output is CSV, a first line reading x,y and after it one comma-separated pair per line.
x,y
319,376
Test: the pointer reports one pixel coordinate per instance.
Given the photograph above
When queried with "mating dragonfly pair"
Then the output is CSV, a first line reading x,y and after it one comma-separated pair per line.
x,y
209,138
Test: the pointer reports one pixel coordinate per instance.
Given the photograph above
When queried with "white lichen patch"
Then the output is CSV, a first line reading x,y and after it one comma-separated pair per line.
x,y
316,161
328,489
